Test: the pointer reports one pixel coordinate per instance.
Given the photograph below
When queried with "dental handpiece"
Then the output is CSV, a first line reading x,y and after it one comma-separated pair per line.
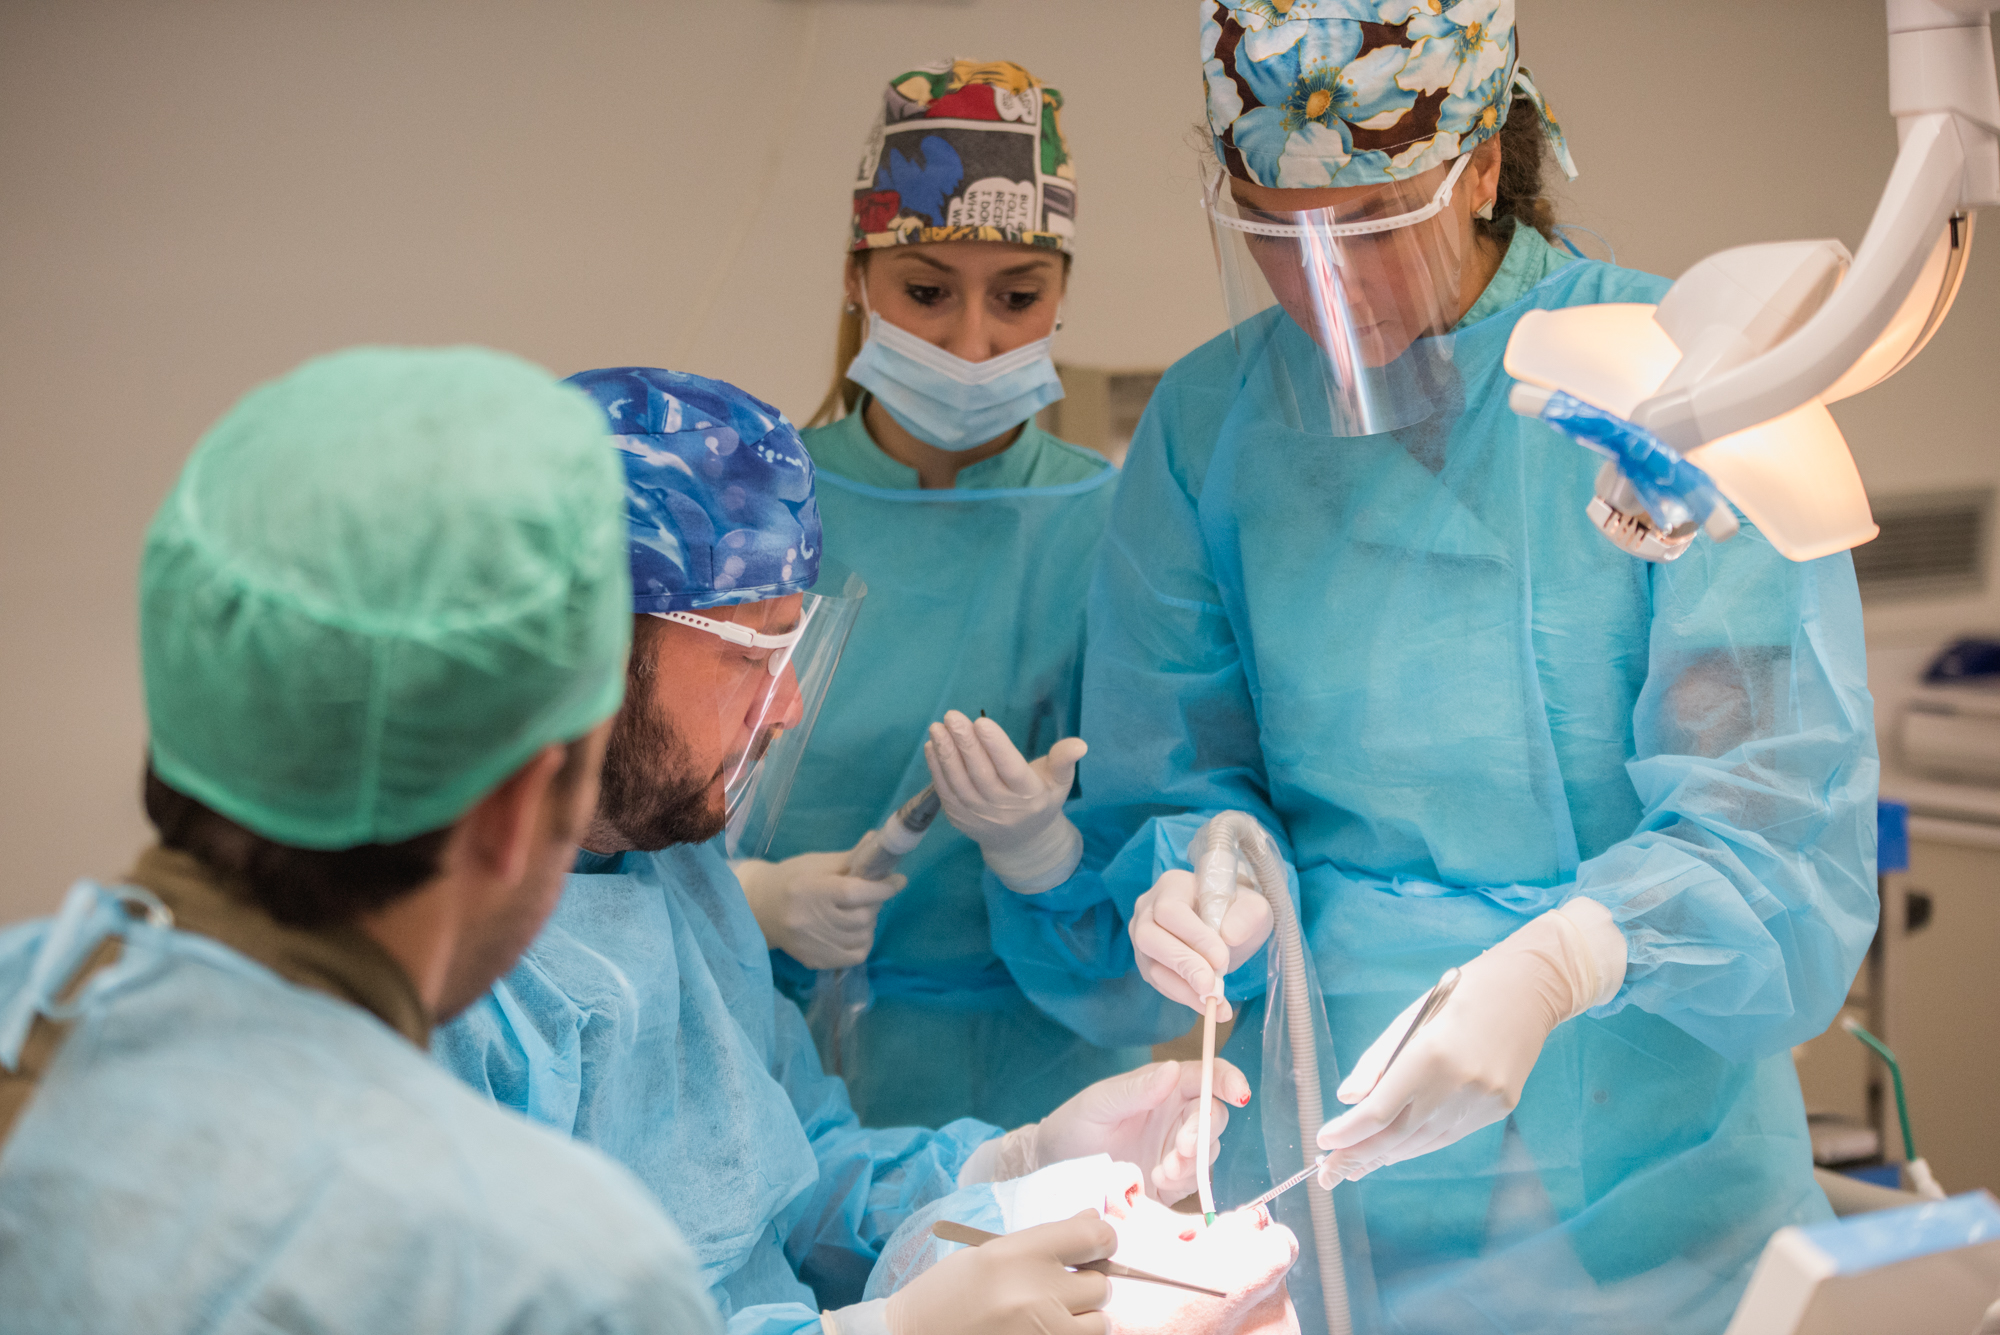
x,y
881,849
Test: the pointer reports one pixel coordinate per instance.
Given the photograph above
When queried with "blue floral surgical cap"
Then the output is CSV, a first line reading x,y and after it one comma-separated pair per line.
x,y
1314,93
718,490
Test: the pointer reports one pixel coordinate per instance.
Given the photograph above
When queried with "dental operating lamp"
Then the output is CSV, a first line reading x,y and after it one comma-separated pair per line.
x,y
1720,393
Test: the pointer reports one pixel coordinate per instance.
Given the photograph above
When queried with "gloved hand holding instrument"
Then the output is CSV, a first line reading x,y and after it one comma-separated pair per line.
x,y
815,907
822,909
1217,874
979,1237
1018,1282
1190,930
1426,1009
1011,807
1465,1069
1148,1117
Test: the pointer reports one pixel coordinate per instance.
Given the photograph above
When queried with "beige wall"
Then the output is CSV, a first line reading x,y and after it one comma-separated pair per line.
x,y
194,196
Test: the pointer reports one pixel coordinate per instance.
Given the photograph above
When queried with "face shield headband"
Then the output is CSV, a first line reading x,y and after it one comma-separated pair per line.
x,y
1342,314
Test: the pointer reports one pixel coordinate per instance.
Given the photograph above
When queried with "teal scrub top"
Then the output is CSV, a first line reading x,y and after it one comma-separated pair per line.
x,y
975,602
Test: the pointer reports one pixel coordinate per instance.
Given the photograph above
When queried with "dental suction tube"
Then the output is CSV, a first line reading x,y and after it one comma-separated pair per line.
x,y
1214,851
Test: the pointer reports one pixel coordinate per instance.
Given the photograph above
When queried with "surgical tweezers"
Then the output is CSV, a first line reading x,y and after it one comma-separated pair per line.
x,y
973,1237
1433,1003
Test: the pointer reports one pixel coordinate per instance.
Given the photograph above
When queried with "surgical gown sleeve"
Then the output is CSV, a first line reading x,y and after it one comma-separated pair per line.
x,y
1173,737
1744,888
1747,894
870,1179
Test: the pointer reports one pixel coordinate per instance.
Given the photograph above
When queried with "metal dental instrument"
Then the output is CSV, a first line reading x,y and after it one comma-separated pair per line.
x,y
973,1237
1433,1003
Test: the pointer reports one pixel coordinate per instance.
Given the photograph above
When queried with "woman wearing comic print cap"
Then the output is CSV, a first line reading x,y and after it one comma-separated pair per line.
x,y
1347,591
974,530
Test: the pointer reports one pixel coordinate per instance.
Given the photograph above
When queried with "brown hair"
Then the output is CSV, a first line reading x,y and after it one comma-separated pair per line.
x,y
1523,157
843,394
310,887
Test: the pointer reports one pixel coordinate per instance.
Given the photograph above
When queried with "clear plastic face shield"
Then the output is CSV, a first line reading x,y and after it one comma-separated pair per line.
x,y
769,675
1370,279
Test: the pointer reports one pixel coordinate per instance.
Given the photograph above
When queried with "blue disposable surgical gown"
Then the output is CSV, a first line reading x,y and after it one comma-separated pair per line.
x,y
975,602
215,1149
1457,707
644,1021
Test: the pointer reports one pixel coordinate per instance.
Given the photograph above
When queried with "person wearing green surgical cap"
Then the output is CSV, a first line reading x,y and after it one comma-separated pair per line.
x,y
384,615
1626,790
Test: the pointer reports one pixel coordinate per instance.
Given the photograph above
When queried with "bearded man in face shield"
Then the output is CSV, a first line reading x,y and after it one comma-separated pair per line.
x,y
644,1019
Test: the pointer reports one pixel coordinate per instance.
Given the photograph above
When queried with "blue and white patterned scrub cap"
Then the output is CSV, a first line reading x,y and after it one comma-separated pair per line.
x,y
1305,94
718,490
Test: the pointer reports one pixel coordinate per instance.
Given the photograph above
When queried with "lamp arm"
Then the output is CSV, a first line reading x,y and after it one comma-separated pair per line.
x,y
1918,204
1944,96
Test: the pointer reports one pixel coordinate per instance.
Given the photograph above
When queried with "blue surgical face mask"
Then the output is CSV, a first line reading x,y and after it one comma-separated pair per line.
x,y
945,400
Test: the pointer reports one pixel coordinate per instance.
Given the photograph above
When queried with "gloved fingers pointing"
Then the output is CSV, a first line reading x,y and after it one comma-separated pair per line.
x,y
947,768
1009,765
978,765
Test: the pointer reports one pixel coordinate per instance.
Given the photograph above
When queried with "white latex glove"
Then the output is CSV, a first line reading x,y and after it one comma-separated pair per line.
x,y
1180,955
1465,1068
1146,1116
1011,808
1019,1284
812,910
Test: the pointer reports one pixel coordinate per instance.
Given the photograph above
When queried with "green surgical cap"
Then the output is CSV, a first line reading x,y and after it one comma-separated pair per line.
x,y
381,584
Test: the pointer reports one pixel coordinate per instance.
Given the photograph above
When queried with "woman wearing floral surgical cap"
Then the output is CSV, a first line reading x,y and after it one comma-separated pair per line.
x,y
1347,591
974,530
